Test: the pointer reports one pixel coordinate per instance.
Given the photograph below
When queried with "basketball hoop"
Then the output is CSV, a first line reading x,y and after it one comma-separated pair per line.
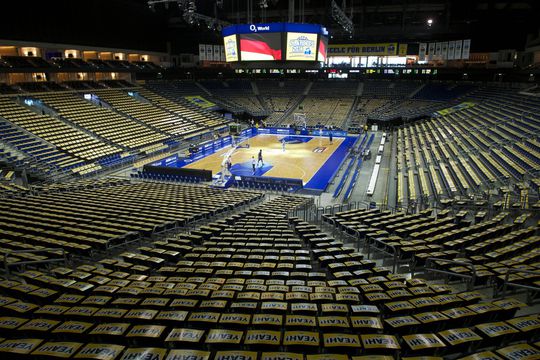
x,y
300,119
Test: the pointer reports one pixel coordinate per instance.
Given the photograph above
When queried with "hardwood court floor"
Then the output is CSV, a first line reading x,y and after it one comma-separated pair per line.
x,y
299,161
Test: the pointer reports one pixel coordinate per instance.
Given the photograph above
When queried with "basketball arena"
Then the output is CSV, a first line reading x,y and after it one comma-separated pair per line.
x,y
270,180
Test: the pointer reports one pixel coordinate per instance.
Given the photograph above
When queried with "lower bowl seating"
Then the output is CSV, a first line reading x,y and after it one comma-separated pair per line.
x,y
204,280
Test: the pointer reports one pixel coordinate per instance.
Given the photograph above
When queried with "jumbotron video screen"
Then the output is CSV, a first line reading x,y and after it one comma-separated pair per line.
x,y
275,42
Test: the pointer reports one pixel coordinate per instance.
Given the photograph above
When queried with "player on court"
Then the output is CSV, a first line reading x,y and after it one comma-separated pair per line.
x,y
229,165
330,136
253,163
260,158
283,144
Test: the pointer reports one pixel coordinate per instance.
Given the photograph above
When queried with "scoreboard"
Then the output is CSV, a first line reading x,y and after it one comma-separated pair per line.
x,y
275,42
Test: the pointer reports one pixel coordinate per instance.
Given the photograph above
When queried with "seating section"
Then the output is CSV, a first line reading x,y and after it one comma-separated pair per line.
x,y
139,108
25,62
395,109
75,144
7,89
389,89
327,104
176,89
150,175
85,220
106,123
75,63
256,283
8,182
201,118
443,91
470,150
235,94
466,244
280,96
68,133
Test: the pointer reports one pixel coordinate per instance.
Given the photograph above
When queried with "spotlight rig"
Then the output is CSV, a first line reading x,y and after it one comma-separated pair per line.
x,y
341,18
190,14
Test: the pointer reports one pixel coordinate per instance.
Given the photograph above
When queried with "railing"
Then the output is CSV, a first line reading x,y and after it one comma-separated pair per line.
x,y
305,212
7,265
333,209
472,277
394,252
530,289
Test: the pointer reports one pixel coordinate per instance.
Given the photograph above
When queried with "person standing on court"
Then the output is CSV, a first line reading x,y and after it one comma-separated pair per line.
x,y
260,158
229,165
253,164
330,136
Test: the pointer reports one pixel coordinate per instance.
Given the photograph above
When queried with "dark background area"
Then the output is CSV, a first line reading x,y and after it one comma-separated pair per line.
x,y
130,24
107,23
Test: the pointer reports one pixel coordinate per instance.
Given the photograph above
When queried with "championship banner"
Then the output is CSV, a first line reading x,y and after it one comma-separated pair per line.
x,y
444,51
438,49
422,52
402,50
202,52
466,49
209,53
217,53
457,49
222,53
431,51
301,46
451,45
379,49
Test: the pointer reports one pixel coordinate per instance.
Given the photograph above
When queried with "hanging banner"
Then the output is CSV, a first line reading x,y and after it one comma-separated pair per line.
x,y
200,101
457,49
444,51
217,53
431,51
378,49
461,106
438,49
451,45
422,51
222,53
202,52
466,49
402,50
209,53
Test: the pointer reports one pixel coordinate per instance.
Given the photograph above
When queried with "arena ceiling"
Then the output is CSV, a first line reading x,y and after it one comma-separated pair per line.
x,y
492,24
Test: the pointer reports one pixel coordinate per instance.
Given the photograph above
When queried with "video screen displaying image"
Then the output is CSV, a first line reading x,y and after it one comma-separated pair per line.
x,y
231,48
260,47
301,46
323,47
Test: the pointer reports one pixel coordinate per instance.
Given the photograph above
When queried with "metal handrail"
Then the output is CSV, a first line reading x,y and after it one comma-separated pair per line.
x,y
470,265
394,251
8,253
527,287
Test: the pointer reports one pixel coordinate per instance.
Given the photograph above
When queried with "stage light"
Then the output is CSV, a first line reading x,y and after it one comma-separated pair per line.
x,y
341,18
429,22
190,14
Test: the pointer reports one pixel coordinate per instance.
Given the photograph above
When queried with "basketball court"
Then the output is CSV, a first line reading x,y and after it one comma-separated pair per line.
x,y
312,159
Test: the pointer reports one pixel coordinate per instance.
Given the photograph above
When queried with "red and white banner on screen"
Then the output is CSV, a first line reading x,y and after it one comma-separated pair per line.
x,y
258,50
